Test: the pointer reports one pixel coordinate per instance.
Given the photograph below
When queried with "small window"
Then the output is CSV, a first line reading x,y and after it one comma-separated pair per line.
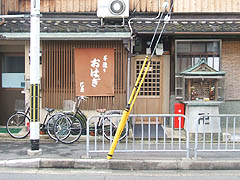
x,y
13,69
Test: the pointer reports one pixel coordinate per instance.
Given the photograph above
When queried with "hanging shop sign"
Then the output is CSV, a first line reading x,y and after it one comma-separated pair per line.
x,y
94,71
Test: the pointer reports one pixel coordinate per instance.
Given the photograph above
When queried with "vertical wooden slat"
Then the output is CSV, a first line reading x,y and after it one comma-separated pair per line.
x,y
122,73
52,4
229,5
28,6
181,5
45,69
69,72
206,6
17,5
70,5
131,5
94,5
88,5
65,73
21,6
199,6
186,5
58,6
48,67
217,4
10,4
45,74
155,5
54,71
82,5
211,6
143,5
193,6
137,5
3,7
59,74
76,5
46,5
149,5
43,84
64,6
46,77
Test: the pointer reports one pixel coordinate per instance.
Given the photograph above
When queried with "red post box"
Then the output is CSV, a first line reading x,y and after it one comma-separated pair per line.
x,y
178,109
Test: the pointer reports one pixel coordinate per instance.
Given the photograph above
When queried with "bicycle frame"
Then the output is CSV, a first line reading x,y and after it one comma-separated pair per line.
x,y
27,113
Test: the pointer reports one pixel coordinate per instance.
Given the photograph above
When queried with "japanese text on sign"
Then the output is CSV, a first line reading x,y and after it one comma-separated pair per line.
x,y
94,69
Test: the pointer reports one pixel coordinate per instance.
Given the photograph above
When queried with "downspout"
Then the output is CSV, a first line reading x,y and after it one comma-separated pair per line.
x,y
130,51
1,20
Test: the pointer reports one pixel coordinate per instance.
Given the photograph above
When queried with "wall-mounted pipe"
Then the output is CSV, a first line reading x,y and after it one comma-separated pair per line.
x,y
159,14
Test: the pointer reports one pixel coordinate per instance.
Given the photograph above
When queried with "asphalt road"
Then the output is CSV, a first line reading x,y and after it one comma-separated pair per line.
x,y
73,174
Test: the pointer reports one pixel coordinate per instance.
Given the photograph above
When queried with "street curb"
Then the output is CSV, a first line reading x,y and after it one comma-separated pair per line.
x,y
29,163
180,164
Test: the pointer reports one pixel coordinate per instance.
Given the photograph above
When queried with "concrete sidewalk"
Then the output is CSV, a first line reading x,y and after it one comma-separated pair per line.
x,y
56,155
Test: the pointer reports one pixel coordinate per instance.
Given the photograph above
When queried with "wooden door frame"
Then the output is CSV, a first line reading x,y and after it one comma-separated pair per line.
x,y
133,79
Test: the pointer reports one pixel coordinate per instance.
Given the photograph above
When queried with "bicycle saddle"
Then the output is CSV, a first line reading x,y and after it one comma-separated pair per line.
x,y
101,110
49,110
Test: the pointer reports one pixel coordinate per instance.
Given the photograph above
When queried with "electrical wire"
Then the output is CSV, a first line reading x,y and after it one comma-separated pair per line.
x,y
156,30
166,20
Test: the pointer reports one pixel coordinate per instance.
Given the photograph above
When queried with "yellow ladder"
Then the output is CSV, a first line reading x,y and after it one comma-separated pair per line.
x,y
132,99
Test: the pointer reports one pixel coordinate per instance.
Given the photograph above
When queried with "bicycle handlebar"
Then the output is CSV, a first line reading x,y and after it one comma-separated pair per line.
x,y
82,98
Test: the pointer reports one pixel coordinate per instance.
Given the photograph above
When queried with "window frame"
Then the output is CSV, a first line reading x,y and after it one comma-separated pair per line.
x,y
12,55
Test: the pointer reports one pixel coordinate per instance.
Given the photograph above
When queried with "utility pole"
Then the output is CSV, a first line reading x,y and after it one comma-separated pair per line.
x,y
35,78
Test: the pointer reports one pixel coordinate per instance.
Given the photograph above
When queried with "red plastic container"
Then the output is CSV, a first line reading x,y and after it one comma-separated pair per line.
x,y
179,109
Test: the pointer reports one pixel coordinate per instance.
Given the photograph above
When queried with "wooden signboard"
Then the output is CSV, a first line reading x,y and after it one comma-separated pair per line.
x,y
94,71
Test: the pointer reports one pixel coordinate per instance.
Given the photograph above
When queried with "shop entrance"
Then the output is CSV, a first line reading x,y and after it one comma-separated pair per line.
x,y
152,95
12,84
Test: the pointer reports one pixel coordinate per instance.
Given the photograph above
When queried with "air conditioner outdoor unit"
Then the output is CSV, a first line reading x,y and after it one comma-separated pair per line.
x,y
113,8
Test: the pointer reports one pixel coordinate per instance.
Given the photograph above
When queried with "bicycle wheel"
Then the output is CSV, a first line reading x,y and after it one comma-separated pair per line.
x,y
68,129
17,125
110,124
50,125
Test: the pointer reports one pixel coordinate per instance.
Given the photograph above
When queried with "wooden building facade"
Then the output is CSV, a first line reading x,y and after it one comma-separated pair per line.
x,y
191,34
75,6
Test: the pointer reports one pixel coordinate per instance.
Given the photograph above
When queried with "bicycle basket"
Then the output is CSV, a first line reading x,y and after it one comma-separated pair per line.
x,y
19,105
68,105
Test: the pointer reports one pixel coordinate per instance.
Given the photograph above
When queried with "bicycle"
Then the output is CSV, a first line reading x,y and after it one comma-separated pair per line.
x,y
18,124
69,130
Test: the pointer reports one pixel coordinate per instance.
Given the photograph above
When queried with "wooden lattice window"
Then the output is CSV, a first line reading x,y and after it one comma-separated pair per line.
x,y
58,74
151,84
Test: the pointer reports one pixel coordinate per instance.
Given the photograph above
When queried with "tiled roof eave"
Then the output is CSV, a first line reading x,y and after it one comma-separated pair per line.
x,y
139,26
69,36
